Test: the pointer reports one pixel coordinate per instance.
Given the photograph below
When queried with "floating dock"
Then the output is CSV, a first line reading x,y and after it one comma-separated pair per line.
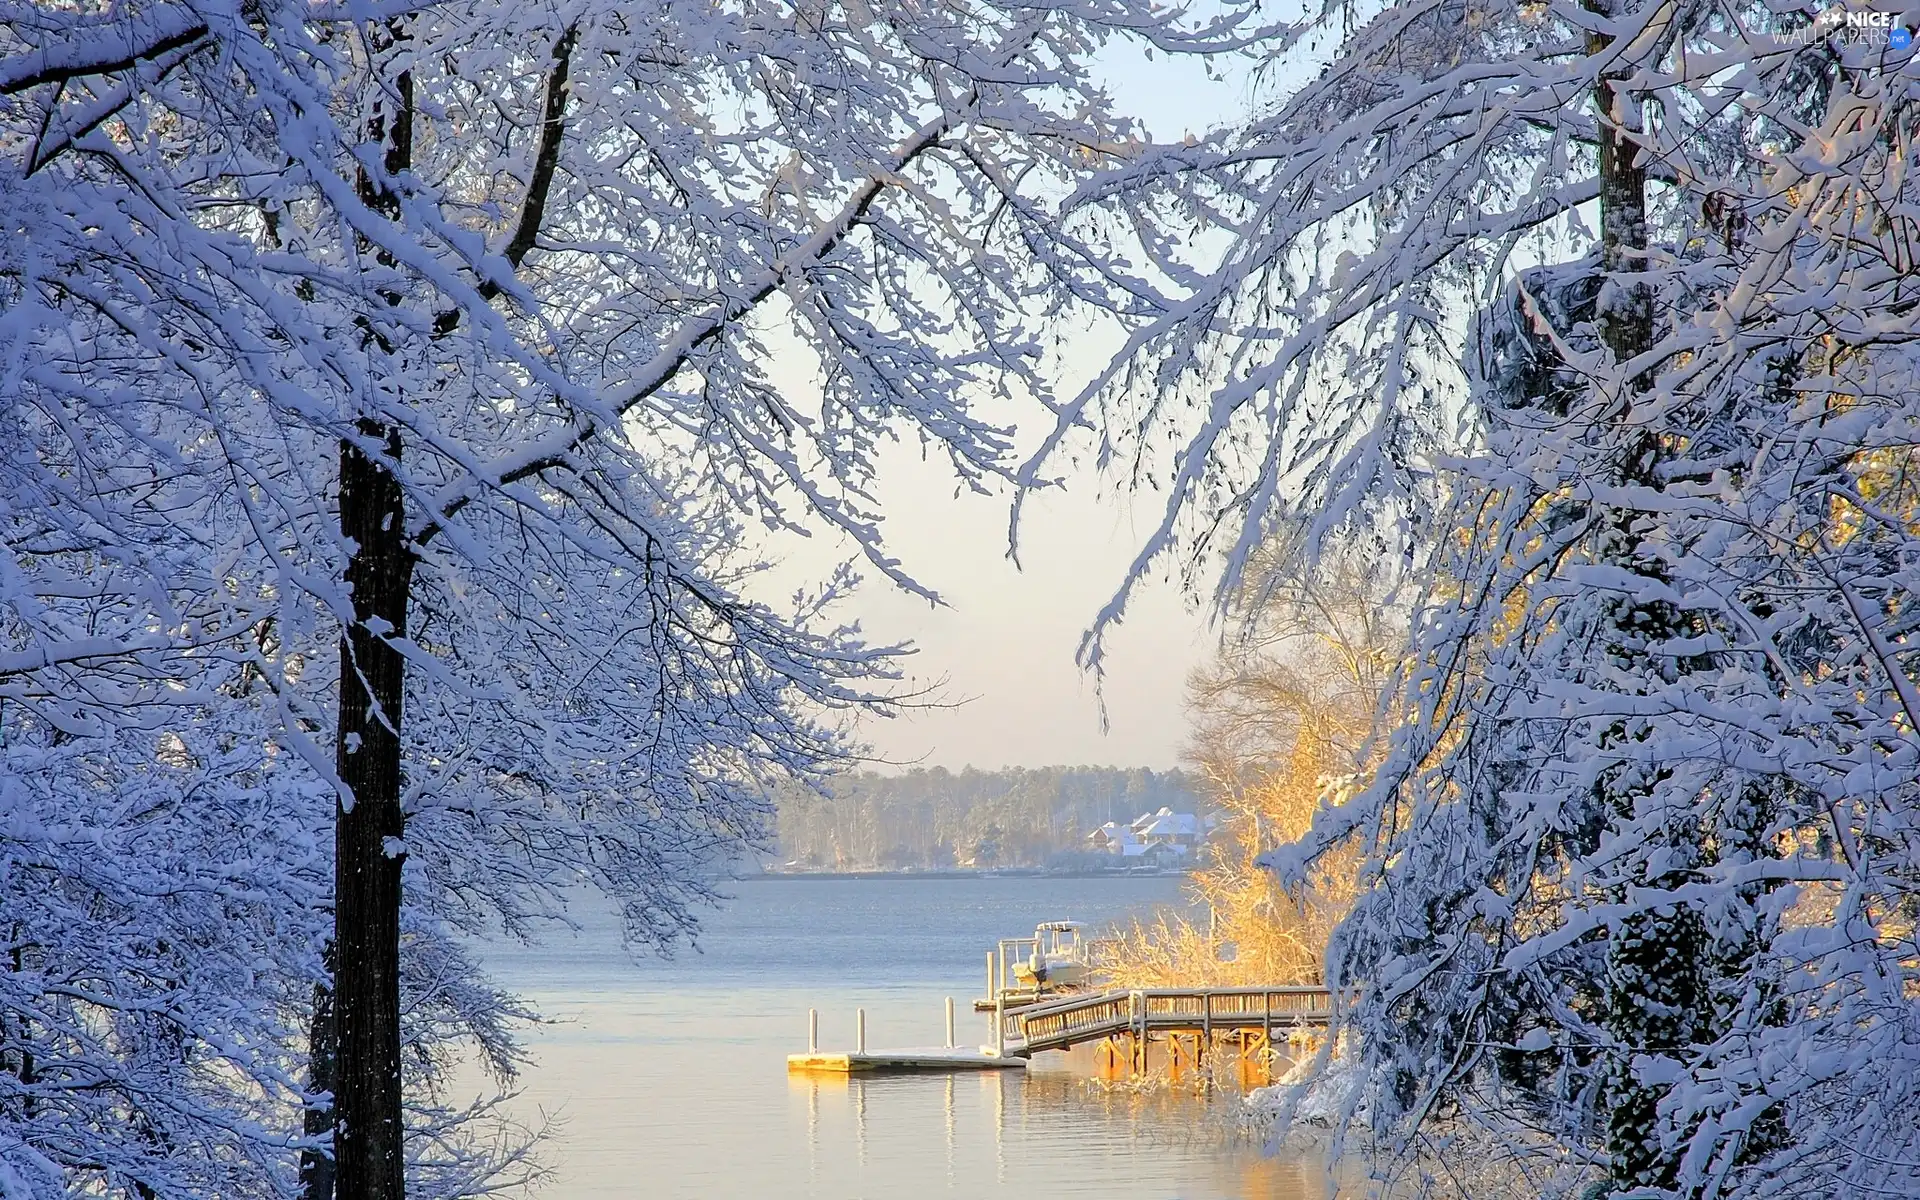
x,y
949,1057
930,1059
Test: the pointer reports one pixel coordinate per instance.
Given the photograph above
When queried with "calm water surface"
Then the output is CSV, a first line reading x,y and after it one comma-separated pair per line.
x,y
668,1078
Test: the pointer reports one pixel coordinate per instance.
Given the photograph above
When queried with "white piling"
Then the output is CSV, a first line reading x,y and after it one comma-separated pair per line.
x,y
860,1031
949,1022
813,1031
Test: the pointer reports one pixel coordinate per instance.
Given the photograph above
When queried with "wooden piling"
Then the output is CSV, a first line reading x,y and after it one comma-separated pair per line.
x,y
1178,1058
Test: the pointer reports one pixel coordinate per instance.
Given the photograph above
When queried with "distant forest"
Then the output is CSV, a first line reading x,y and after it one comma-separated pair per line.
x,y
935,818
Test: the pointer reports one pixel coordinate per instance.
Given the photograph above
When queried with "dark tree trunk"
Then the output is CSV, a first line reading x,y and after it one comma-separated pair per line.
x,y
369,1149
368,1131
368,830
1625,309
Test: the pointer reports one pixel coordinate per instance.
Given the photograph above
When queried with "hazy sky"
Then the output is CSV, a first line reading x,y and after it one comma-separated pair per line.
x,y
1004,646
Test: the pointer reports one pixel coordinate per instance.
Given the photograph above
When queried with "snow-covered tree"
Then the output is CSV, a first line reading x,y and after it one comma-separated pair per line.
x,y
419,369
1640,903
165,899
159,920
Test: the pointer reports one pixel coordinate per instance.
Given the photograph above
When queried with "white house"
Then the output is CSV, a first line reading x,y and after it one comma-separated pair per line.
x,y
1164,833
1117,839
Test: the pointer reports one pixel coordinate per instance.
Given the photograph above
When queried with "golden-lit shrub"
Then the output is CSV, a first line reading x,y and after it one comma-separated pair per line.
x,y
1280,722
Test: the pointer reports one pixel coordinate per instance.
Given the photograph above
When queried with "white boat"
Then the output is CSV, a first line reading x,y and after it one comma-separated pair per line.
x,y
1056,960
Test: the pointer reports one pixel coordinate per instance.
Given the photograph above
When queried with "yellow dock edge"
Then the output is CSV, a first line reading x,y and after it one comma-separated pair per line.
x,y
903,1060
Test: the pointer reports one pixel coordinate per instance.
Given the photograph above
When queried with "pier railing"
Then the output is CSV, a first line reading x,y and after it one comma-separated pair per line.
x,y
1060,1024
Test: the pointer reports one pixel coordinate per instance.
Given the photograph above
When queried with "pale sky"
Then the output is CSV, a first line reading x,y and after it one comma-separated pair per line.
x,y
1004,646
1005,643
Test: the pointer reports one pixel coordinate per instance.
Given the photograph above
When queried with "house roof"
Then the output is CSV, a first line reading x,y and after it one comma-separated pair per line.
x,y
1171,824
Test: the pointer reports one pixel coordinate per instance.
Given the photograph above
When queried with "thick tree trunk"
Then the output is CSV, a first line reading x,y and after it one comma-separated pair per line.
x,y
369,828
368,832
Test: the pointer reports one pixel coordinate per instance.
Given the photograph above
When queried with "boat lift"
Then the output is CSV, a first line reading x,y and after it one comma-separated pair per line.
x,y
1056,961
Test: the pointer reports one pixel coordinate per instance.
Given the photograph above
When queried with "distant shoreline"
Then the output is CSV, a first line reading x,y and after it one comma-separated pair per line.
x,y
784,876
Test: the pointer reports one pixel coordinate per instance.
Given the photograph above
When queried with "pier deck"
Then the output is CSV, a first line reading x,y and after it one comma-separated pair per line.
x,y
1143,1012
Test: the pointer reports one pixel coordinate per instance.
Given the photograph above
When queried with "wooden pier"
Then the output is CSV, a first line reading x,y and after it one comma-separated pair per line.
x,y
1190,1024
1141,1012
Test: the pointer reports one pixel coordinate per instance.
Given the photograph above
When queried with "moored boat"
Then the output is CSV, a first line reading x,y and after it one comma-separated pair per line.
x,y
1057,961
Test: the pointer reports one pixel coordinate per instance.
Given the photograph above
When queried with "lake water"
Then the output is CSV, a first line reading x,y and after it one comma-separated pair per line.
x,y
668,1078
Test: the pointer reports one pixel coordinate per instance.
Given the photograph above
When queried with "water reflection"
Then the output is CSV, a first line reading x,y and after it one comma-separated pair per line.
x,y
1055,1129
948,1107
997,1080
813,1134
860,1122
